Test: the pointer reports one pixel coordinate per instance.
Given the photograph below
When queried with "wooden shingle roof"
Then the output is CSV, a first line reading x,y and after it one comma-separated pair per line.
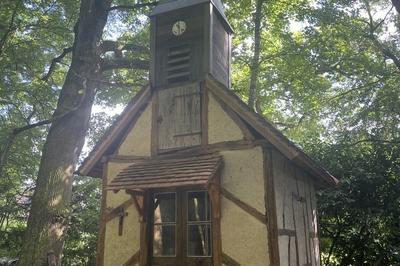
x,y
162,173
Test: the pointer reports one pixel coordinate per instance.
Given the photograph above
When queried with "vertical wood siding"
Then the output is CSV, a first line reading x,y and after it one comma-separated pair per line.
x,y
179,117
296,214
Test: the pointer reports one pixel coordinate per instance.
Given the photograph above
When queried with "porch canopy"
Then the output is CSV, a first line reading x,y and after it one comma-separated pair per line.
x,y
165,173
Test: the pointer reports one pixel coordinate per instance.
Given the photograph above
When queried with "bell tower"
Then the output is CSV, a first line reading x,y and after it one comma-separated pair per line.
x,y
190,40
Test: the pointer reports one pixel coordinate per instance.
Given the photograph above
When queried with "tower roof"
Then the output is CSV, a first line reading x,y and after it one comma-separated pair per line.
x,y
170,5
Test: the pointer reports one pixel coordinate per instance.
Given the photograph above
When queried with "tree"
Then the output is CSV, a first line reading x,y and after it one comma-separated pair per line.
x,y
255,62
327,76
50,208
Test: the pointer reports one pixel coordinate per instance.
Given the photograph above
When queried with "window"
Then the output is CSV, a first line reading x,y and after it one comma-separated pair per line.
x,y
181,228
198,224
164,231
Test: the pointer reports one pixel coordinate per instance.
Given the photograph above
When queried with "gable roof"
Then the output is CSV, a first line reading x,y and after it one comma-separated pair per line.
x,y
91,164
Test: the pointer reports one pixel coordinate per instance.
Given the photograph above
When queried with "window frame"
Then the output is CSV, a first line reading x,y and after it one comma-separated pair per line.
x,y
153,223
208,222
181,231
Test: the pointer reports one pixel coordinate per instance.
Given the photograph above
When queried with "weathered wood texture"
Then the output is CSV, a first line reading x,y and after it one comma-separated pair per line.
x,y
157,173
179,117
220,51
296,214
270,206
179,58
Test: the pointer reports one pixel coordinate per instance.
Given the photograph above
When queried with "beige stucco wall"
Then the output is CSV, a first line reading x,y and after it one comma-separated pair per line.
x,y
220,126
118,249
243,175
244,238
138,140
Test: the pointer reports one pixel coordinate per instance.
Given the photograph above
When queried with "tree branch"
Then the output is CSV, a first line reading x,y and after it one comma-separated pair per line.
x,y
384,50
54,62
132,7
374,140
112,46
10,29
110,64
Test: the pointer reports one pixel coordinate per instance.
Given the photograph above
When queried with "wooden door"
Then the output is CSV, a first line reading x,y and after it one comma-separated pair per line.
x,y
179,117
181,228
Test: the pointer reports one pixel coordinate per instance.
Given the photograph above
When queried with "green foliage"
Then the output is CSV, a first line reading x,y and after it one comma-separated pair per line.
x,y
82,233
360,218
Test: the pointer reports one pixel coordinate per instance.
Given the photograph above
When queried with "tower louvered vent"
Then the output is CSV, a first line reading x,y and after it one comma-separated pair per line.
x,y
178,64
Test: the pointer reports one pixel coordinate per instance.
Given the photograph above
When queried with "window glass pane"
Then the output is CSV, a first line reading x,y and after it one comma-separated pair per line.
x,y
199,240
164,240
164,208
198,206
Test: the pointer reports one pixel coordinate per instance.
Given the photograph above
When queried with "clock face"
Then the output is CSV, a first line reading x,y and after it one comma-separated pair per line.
x,y
179,28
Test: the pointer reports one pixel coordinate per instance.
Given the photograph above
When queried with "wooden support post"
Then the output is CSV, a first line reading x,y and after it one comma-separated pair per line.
x,y
215,197
141,202
270,204
121,215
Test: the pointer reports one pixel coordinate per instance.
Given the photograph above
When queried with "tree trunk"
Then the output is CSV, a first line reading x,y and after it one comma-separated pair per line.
x,y
50,211
255,62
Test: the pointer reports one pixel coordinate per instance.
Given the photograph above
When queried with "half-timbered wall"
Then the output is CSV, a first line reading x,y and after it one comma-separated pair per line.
x,y
243,226
296,214
245,214
120,246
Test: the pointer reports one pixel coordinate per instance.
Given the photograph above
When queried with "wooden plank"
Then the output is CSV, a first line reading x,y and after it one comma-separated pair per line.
x,y
154,125
299,203
145,232
102,222
153,41
270,205
160,185
115,212
244,206
286,232
179,117
204,115
115,158
225,145
306,215
133,260
297,244
229,261
138,201
215,197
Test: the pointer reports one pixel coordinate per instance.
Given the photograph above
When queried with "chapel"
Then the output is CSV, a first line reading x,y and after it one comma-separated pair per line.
x,y
190,174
